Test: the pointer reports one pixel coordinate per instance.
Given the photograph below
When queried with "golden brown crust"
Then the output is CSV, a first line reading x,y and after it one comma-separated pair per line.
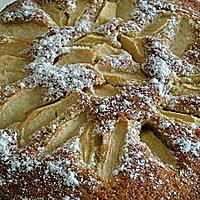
x,y
119,121
195,4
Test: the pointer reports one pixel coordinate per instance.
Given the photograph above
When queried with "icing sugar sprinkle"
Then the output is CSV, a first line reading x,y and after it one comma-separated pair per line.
x,y
121,61
60,81
52,44
146,11
27,11
188,146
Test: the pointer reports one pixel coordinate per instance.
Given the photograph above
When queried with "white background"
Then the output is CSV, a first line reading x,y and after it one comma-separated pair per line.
x,y
3,3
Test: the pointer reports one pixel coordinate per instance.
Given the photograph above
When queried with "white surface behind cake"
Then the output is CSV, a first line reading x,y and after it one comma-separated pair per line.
x,y
3,3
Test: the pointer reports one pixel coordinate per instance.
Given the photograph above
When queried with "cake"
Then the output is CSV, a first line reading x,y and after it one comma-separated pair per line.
x,y
100,100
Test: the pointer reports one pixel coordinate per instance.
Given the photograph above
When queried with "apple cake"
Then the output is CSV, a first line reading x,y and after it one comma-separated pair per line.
x,y
100,99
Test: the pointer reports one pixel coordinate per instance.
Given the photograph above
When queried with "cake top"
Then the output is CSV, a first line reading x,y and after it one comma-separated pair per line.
x,y
96,95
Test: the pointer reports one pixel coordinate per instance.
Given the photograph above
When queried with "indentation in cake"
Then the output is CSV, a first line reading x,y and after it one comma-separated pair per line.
x,y
157,147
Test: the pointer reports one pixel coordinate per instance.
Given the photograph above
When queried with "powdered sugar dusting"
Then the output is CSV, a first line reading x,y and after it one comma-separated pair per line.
x,y
146,11
112,29
121,61
52,44
60,81
71,5
139,103
85,23
14,161
5,144
189,146
64,169
28,11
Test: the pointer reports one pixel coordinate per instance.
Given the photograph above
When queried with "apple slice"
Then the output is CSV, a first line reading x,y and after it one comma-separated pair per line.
x,y
80,8
116,78
44,115
106,50
158,148
125,8
134,46
157,25
105,90
87,142
107,13
26,31
65,131
183,118
111,149
92,40
183,37
12,69
13,47
16,108
57,15
77,56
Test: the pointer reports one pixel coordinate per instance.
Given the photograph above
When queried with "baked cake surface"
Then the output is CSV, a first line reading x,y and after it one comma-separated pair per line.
x,y
100,100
